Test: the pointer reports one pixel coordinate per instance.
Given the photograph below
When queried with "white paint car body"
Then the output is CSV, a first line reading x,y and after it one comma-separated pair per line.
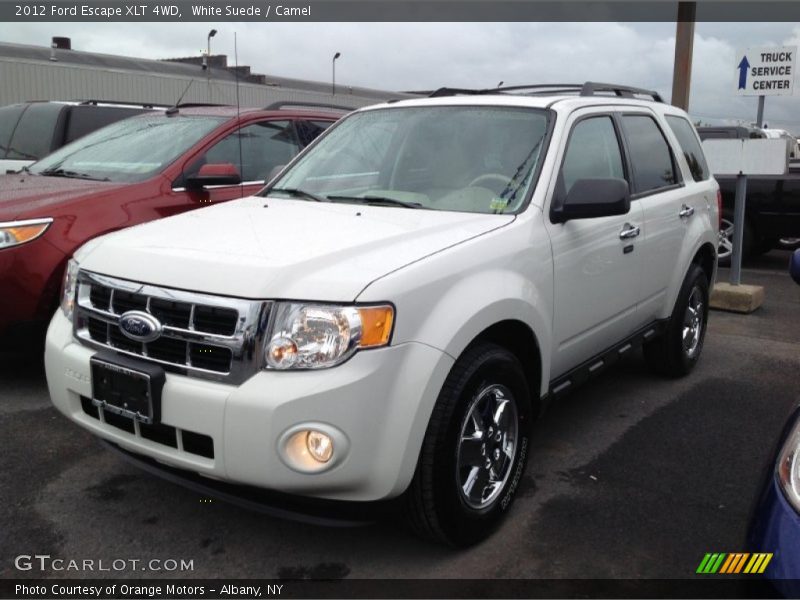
x,y
449,276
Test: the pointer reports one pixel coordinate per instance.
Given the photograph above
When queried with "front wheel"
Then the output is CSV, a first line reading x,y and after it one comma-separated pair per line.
x,y
474,451
677,351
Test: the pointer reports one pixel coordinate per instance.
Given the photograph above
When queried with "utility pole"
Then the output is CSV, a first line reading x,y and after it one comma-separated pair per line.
x,y
684,43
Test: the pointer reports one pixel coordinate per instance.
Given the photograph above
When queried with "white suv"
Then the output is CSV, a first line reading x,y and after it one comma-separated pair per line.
x,y
388,316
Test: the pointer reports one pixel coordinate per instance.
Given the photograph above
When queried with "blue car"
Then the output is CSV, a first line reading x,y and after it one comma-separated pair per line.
x,y
775,527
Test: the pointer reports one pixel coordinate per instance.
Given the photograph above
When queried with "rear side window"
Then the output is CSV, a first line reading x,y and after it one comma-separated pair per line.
x,y
33,137
651,159
593,152
690,146
86,119
9,116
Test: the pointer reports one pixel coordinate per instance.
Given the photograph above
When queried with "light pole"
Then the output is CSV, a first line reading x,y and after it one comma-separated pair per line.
x,y
206,63
333,80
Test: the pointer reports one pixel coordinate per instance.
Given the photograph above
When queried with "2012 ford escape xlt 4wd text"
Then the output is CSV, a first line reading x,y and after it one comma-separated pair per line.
x,y
386,318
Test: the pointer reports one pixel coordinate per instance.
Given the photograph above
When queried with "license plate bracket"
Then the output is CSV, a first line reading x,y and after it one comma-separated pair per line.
x,y
127,387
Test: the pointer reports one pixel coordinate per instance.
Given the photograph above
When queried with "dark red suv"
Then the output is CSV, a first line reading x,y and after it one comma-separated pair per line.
x,y
131,172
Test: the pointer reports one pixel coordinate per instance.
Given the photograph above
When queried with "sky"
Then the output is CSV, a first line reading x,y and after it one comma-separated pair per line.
x,y
414,56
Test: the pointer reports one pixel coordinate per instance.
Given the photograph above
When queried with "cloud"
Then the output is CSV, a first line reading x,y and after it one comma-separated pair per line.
x,y
413,56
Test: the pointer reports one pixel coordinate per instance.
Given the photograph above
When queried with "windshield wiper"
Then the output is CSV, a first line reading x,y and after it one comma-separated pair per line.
x,y
298,193
71,174
380,200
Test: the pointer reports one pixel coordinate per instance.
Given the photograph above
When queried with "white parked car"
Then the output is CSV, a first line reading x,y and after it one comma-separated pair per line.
x,y
388,316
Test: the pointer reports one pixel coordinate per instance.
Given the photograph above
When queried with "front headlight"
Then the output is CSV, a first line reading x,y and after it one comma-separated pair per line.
x,y
315,336
788,468
15,233
68,288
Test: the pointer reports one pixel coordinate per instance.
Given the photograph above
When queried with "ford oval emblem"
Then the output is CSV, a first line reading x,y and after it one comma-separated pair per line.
x,y
140,326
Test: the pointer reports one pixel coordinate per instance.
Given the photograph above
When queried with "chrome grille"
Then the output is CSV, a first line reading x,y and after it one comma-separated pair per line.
x,y
205,336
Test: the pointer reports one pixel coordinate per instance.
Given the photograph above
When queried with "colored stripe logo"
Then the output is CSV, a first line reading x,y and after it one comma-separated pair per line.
x,y
734,563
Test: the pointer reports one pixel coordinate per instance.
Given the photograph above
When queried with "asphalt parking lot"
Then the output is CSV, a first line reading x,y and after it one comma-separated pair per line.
x,y
631,476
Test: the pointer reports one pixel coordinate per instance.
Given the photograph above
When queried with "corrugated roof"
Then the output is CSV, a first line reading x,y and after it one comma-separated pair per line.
x,y
164,67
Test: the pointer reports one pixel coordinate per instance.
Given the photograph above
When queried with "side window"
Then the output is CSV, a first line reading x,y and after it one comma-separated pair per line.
x,y
651,159
86,119
9,115
264,146
593,152
308,131
33,137
690,146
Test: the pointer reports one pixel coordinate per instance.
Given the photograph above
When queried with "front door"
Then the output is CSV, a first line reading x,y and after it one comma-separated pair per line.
x,y
597,262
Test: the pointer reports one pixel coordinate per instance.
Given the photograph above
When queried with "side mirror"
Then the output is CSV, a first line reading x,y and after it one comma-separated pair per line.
x,y
214,174
592,198
794,266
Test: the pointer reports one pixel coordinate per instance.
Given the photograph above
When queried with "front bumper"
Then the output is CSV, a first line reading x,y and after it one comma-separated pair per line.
x,y
775,528
30,280
380,400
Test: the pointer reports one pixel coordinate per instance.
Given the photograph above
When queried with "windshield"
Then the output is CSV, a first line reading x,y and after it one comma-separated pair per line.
x,y
127,151
473,159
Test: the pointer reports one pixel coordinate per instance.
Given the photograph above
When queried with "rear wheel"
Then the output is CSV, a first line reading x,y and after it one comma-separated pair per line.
x,y
474,451
725,248
677,351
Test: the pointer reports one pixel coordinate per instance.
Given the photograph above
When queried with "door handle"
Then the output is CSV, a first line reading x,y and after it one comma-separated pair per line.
x,y
629,231
686,211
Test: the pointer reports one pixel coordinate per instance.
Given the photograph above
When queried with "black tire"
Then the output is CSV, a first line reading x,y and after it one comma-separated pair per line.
x,y
436,505
669,355
747,240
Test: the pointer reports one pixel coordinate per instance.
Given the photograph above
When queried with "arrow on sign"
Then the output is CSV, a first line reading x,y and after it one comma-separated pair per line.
x,y
743,66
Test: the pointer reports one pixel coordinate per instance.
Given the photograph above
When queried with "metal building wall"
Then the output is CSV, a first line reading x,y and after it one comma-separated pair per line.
x,y
23,80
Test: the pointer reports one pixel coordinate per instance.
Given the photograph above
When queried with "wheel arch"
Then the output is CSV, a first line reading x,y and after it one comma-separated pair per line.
x,y
706,258
702,252
519,339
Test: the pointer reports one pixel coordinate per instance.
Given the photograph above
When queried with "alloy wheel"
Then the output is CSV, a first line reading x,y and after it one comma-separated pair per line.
x,y
487,446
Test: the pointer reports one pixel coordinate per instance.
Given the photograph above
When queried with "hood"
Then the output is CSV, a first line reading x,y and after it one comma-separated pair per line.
x,y
276,248
37,195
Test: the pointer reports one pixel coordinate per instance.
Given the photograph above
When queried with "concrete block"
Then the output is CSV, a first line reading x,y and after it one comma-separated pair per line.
x,y
737,298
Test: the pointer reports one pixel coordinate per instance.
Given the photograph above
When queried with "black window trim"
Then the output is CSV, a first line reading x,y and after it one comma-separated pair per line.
x,y
555,201
678,173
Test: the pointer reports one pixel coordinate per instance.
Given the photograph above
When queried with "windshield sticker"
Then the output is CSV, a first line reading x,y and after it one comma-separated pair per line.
x,y
498,204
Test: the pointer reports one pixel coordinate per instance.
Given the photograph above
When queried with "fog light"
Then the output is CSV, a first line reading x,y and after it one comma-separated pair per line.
x,y
313,447
320,446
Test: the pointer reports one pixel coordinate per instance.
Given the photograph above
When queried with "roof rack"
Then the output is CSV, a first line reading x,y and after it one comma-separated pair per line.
x,y
589,88
281,103
121,103
202,105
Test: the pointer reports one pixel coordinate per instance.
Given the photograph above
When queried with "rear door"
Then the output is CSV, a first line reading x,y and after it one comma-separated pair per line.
x,y
597,262
669,200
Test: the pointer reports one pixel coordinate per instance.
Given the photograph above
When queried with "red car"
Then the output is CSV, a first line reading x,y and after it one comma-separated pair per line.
x,y
131,172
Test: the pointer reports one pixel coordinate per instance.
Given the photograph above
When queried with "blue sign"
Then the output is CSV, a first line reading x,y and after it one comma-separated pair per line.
x,y
743,67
